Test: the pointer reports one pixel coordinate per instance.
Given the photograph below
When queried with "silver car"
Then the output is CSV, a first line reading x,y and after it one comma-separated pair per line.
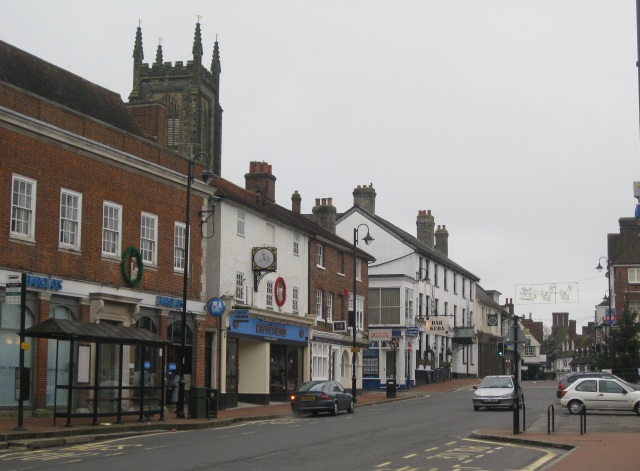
x,y
496,391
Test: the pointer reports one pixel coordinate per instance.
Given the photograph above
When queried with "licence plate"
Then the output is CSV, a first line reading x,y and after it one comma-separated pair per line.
x,y
307,398
491,400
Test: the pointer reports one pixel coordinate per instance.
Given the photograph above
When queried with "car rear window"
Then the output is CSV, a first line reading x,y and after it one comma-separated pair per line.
x,y
311,387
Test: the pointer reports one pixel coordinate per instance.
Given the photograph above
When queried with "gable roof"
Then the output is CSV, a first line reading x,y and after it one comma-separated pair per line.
x,y
38,77
410,240
260,204
487,300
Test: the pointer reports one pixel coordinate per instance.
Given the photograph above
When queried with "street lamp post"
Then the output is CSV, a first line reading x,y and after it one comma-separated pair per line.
x,y
516,371
600,268
206,177
367,240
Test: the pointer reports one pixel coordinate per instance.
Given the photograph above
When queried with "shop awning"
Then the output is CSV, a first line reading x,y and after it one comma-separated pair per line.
x,y
463,335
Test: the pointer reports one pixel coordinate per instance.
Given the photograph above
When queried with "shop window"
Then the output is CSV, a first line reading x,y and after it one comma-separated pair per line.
x,y
10,350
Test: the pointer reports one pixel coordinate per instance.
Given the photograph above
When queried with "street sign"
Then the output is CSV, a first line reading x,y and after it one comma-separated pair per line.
x,y
412,331
13,289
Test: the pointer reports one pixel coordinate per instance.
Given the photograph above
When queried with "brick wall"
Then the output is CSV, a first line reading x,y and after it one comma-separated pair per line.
x,y
335,277
54,168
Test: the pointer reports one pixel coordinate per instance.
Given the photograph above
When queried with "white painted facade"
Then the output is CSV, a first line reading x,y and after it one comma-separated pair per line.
x,y
402,263
253,365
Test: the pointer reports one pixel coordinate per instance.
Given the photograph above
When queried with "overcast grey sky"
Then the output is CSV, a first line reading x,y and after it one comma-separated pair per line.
x,y
514,121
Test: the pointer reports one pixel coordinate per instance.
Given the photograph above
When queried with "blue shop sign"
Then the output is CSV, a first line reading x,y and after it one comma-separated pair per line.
x,y
166,301
243,324
44,283
412,331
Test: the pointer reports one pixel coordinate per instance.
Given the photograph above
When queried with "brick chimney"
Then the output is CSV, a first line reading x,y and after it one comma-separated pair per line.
x,y
365,197
572,328
425,225
509,306
629,232
296,201
442,240
324,214
260,180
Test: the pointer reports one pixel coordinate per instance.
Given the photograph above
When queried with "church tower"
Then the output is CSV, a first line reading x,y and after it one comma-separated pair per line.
x,y
178,104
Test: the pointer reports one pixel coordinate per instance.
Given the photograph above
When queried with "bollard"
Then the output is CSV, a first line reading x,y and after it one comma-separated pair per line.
x,y
551,419
583,420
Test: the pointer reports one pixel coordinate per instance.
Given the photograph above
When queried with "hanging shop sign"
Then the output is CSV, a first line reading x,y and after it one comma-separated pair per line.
x,y
215,307
281,291
340,326
436,325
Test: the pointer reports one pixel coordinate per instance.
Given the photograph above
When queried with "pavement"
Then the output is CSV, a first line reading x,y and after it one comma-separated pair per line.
x,y
599,450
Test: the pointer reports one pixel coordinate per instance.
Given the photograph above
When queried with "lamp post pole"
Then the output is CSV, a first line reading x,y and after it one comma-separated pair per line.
x,y
611,281
516,381
206,176
354,355
612,352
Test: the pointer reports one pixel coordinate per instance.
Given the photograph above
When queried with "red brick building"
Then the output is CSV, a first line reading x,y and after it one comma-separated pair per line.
x,y
95,214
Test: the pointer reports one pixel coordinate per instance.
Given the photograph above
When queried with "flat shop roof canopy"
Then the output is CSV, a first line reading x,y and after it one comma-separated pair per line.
x,y
61,329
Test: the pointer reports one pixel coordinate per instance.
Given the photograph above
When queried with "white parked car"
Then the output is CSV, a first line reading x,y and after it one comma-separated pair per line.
x,y
600,394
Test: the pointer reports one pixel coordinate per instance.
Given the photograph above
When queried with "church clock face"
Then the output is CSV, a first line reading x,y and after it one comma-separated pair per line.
x,y
264,258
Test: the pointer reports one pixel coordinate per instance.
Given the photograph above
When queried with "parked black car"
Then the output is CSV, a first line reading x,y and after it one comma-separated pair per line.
x,y
570,378
321,396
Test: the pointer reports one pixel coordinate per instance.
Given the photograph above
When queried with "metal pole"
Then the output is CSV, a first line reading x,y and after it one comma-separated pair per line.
x,y
516,401
353,351
611,353
638,44
23,315
183,340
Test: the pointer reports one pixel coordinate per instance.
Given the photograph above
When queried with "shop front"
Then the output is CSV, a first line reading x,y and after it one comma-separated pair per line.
x,y
387,359
48,360
265,357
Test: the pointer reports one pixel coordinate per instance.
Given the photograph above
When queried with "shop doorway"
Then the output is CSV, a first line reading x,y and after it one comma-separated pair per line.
x,y
285,371
230,397
391,364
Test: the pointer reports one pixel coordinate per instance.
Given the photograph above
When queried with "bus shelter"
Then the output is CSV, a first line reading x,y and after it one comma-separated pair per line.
x,y
112,370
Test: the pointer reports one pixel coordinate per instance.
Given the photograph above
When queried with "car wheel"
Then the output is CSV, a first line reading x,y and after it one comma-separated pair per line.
x,y
476,407
574,407
315,413
297,413
351,408
334,411
637,408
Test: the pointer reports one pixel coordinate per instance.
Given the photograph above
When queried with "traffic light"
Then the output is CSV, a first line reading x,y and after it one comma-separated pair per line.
x,y
500,348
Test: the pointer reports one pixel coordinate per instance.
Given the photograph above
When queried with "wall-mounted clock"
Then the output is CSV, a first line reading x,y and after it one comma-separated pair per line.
x,y
264,258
